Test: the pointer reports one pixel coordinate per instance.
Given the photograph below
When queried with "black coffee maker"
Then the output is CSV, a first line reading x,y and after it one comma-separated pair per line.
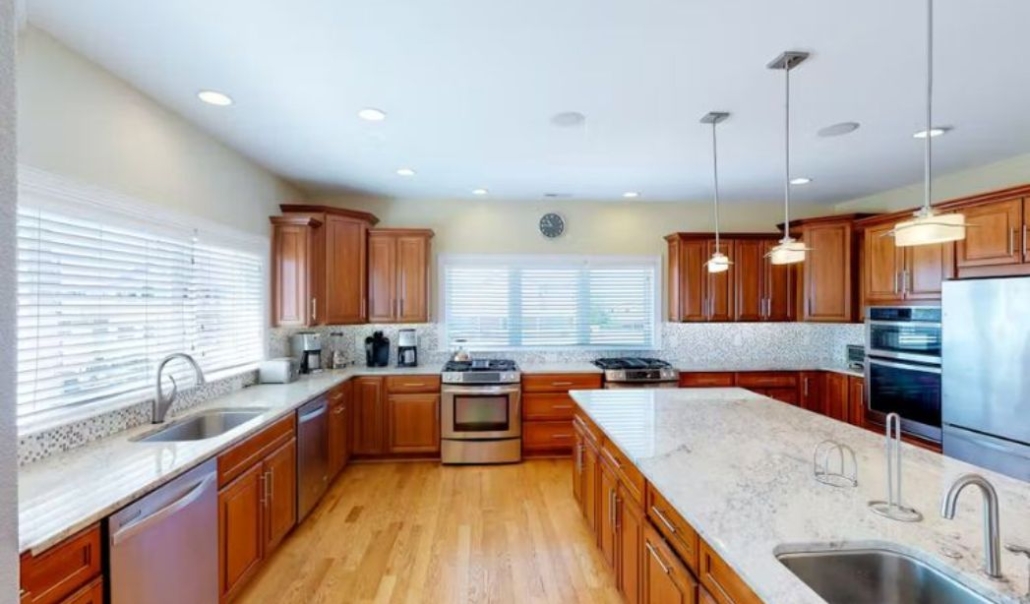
x,y
377,350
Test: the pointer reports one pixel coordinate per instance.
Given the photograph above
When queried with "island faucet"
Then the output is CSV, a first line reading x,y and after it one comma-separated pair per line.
x,y
992,538
162,404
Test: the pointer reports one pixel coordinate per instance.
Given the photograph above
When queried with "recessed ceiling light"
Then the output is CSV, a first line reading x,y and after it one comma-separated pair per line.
x,y
631,194
213,97
405,172
839,129
372,114
934,132
568,119
479,191
801,180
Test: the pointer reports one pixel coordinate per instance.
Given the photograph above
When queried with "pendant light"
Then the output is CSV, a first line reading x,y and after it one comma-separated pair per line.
x,y
789,250
927,227
719,262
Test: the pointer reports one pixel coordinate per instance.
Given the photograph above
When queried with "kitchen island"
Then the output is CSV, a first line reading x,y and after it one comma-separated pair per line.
x,y
738,468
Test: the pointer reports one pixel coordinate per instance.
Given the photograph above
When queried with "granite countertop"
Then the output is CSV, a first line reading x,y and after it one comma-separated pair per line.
x,y
732,366
738,467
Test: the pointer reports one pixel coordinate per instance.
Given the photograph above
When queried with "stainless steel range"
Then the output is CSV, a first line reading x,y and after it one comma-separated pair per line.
x,y
637,372
480,412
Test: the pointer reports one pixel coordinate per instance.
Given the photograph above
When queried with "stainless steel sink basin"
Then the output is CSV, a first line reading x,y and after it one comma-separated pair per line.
x,y
876,576
208,424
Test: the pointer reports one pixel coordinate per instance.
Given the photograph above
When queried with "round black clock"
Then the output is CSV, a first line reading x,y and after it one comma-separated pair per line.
x,y
552,225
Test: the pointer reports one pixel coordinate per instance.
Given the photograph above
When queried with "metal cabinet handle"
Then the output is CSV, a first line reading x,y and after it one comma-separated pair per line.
x,y
579,459
657,558
415,384
561,436
662,517
561,383
339,410
314,309
611,508
561,406
612,457
401,313
1026,252
905,277
268,488
805,382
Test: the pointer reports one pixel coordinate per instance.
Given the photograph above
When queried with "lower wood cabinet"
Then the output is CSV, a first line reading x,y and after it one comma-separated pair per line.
x,y
240,531
811,391
607,495
339,427
67,573
856,401
584,477
547,411
396,416
723,585
413,421
629,525
90,594
665,579
368,416
835,396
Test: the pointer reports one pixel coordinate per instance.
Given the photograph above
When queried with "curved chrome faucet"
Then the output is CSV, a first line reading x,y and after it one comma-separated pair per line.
x,y
162,404
992,538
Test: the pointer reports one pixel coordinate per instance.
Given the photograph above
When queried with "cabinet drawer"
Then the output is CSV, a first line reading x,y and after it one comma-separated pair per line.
x,y
590,430
63,569
778,379
547,405
706,380
240,458
560,382
547,436
397,384
90,594
784,395
674,528
720,580
628,473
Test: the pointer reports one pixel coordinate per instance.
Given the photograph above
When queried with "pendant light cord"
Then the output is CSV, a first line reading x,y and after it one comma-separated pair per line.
x,y
927,144
786,140
715,181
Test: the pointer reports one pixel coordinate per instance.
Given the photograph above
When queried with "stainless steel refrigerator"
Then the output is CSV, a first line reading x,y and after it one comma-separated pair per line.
x,y
985,402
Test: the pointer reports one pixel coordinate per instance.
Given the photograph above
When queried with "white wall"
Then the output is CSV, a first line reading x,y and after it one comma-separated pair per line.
x,y
8,438
80,121
1007,173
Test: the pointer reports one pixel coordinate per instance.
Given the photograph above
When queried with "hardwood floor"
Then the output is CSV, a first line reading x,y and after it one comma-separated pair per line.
x,y
422,532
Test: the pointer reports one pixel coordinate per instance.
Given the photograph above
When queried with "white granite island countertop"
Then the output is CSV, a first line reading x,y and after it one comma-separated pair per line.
x,y
738,467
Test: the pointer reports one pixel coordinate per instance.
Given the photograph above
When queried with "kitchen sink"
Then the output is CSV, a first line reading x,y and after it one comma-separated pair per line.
x,y
876,576
207,424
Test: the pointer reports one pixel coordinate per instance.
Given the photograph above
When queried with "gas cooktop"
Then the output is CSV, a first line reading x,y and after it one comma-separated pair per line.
x,y
636,369
481,371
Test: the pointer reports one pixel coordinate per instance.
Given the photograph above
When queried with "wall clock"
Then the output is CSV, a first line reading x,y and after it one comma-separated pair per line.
x,y
552,225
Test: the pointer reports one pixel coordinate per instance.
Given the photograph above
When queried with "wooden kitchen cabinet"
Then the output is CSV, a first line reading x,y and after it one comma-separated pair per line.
x,y
339,428
414,423
547,411
280,498
994,235
665,580
607,494
368,417
398,276
701,379
779,385
695,295
395,416
811,391
67,572
296,267
585,477
897,274
240,531
90,594
835,396
723,585
856,401
764,291
630,521
830,270
718,287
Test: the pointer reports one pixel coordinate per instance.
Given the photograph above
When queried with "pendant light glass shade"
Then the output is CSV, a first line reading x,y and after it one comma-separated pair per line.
x,y
718,263
788,251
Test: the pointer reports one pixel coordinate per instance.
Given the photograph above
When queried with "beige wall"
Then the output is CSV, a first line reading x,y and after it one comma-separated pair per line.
x,y
1007,173
8,437
80,121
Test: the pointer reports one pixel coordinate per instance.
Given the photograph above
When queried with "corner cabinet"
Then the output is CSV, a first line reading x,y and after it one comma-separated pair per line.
x,y
398,275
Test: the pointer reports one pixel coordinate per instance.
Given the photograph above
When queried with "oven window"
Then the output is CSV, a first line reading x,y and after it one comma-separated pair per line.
x,y
913,339
481,413
912,394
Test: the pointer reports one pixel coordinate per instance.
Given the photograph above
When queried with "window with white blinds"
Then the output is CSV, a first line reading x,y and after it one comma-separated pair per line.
x,y
545,302
104,296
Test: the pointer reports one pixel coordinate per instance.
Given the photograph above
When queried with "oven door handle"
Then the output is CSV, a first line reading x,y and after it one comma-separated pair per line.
x,y
920,368
513,389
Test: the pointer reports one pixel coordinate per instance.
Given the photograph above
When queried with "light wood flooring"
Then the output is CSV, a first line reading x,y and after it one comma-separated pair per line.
x,y
422,532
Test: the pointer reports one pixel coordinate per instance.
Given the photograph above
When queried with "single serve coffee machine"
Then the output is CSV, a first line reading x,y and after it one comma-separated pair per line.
x,y
407,348
307,349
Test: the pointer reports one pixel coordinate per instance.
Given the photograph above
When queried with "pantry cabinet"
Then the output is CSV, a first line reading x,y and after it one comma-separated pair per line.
x,y
398,275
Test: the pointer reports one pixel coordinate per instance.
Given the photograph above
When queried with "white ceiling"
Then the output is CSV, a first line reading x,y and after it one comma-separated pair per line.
x,y
470,86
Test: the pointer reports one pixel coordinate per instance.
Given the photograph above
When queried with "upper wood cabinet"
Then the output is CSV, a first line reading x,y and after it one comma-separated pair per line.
x,y
830,270
319,266
996,234
764,291
896,274
398,275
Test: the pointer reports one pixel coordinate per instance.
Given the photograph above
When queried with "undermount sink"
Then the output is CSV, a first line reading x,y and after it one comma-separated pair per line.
x,y
876,576
208,424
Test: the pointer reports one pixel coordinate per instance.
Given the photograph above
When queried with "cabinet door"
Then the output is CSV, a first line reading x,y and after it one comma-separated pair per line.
x,y
345,261
827,271
781,282
927,267
367,434
606,527
412,279
240,531
812,391
591,482
994,235
836,396
882,264
382,282
749,273
672,281
339,429
664,578
414,423
1025,239
292,300
856,401
90,594
693,281
280,473
719,286
630,529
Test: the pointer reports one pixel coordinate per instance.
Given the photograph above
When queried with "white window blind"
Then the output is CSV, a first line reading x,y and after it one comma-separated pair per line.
x,y
543,302
103,297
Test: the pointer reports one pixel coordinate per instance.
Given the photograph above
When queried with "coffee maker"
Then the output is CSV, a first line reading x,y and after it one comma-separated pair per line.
x,y
377,350
307,349
407,348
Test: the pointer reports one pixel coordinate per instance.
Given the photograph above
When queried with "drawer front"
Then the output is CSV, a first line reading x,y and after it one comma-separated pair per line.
x,y
706,380
547,405
560,382
589,428
722,583
63,569
548,436
240,458
784,395
772,379
91,594
674,528
628,473
397,384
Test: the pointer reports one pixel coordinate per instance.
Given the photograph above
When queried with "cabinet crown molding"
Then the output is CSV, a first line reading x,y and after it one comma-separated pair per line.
x,y
300,208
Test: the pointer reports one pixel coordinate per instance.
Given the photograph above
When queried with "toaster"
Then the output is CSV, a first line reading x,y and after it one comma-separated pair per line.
x,y
278,371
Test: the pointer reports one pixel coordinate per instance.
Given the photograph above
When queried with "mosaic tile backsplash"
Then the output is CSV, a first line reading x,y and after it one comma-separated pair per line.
x,y
731,346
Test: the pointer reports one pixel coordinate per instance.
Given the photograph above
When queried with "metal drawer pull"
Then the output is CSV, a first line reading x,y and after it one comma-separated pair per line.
x,y
662,517
562,436
1026,252
1012,242
561,406
314,309
415,384
611,507
657,558
561,383
612,457
339,410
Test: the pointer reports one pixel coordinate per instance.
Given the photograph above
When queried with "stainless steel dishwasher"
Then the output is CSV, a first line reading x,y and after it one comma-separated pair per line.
x,y
312,455
164,547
